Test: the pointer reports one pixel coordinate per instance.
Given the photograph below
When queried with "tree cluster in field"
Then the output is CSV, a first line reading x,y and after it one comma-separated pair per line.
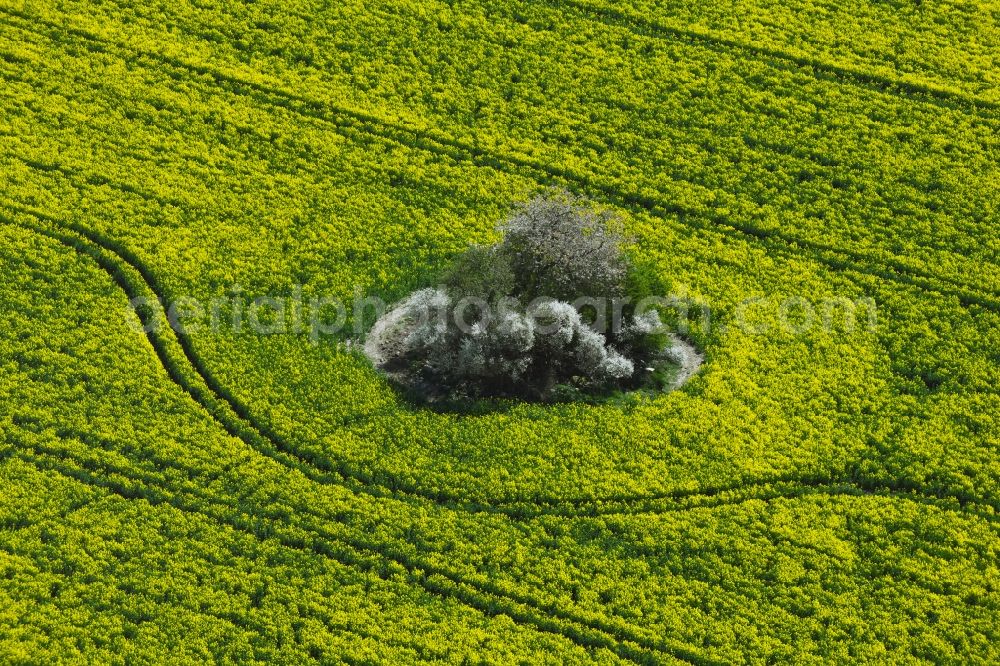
x,y
549,311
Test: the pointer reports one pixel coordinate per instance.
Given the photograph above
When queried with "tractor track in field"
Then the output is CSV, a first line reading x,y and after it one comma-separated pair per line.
x,y
804,157
966,295
347,120
821,70
84,472
359,554
787,487
80,178
920,91
525,609
235,418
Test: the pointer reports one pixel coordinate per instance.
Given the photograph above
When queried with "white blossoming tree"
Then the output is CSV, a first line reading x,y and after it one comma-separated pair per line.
x,y
507,319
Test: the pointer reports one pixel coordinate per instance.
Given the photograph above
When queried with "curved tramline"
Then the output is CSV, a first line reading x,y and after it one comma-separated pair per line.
x,y
177,357
319,535
189,373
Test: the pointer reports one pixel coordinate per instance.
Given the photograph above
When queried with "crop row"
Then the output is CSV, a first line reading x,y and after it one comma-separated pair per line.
x,y
107,470
40,382
322,414
780,489
967,297
586,129
823,493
